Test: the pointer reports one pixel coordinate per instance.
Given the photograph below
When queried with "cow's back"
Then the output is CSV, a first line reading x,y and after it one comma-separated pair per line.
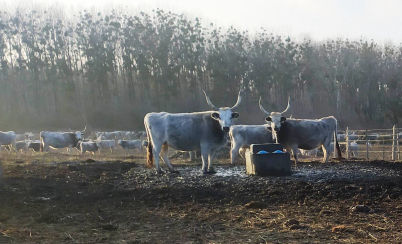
x,y
307,134
7,138
250,134
184,131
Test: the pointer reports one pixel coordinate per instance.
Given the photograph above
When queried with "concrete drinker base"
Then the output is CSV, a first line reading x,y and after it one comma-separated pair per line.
x,y
268,164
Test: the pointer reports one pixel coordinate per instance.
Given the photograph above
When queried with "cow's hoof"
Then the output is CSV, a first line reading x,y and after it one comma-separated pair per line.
x,y
209,172
159,172
173,171
212,170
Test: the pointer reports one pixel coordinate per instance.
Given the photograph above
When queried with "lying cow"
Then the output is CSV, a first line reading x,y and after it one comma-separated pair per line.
x,y
20,146
34,145
304,134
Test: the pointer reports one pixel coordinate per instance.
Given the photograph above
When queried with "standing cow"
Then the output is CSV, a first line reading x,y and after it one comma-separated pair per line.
x,y
242,136
132,144
60,139
106,144
7,139
88,146
205,131
305,134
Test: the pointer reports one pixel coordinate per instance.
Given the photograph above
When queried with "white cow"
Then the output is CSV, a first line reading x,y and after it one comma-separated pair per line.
x,y
7,139
106,144
88,146
60,139
132,144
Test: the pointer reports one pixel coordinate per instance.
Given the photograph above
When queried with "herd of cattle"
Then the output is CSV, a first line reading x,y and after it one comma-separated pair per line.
x,y
205,132
51,139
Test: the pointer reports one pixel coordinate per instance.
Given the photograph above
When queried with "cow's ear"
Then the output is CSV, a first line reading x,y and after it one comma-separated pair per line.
x,y
268,119
215,115
283,119
235,115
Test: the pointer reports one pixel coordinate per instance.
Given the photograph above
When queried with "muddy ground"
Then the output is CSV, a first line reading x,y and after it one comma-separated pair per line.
x,y
46,199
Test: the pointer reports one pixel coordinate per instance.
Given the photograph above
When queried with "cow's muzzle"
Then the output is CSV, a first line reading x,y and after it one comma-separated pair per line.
x,y
225,129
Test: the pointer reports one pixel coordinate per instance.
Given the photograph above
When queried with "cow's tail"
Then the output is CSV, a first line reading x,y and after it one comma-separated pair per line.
x,y
338,148
150,156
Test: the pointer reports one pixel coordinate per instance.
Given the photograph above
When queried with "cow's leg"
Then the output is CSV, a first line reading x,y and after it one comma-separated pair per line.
x,y
211,169
204,158
326,152
156,150
165,158
192,155
326,149
234,152
242,152
294,152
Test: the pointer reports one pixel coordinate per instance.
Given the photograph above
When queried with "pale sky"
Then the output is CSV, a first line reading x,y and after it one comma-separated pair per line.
x,y
380,20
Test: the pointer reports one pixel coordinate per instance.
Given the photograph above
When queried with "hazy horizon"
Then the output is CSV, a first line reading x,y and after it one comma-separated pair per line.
x,y
312,19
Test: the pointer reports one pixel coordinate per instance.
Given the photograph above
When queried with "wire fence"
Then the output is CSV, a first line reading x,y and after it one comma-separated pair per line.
x,y
373,144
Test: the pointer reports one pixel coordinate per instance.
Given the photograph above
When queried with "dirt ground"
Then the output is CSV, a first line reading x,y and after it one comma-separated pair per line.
x,y
48,198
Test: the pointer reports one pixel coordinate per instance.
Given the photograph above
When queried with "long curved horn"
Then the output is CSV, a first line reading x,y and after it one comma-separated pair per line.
x,y
209,101
286,109
85,128
239,97
262,108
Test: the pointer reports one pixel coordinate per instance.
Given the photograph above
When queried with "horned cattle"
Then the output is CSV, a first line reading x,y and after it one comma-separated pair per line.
x,y
306,134
205,131
55,140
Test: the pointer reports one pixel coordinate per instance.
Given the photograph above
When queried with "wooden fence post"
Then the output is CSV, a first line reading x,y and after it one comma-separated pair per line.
x,y
393,143
397,144
367,147
334,147
347,142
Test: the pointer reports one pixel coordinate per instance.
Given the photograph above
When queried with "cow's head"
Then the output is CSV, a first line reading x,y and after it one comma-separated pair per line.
x,y
225,116
79,135
276,119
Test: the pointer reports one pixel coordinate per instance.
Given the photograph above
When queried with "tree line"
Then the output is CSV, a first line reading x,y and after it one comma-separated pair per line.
x,y
107,70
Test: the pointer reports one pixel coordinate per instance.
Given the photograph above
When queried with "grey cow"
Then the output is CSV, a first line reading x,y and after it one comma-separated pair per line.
x,y
132,144
305,134
204,131
242,136
60,139
88,146
7,139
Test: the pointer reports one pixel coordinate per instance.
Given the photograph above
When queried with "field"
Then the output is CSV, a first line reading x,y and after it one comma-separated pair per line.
x,y
56,198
